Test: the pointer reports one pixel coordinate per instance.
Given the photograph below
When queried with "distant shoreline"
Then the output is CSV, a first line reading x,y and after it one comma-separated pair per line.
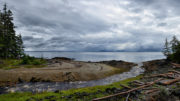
x,y
92,51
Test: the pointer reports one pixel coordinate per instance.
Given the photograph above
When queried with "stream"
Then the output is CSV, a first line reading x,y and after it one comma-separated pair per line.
x,y
54,86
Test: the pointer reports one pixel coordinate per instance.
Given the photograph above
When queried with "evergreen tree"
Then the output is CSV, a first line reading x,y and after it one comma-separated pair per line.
x,y
11,45
1,36
166,50
173,52
174,43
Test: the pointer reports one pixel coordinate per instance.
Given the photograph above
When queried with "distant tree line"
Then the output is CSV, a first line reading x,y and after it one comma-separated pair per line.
x,y
172,49
11,45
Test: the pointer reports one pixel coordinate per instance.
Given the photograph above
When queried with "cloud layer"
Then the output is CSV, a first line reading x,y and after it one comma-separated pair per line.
x,y
96,25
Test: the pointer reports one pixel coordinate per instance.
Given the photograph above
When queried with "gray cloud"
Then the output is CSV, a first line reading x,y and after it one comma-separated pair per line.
x,y
91,25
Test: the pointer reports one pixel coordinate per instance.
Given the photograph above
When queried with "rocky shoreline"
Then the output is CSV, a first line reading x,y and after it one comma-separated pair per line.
x,y
160,82
166,89
153,85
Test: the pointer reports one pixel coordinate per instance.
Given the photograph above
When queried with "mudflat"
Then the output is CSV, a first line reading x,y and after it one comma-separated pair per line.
x,y
64,70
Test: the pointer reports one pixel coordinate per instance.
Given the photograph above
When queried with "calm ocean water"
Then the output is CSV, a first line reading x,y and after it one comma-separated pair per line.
x,y
101,56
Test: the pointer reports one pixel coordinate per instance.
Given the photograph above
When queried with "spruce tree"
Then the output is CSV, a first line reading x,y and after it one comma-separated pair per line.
x,y
11,44
1,36
166,50
174,43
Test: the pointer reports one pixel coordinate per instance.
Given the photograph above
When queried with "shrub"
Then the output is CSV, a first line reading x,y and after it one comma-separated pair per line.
x,y
28,60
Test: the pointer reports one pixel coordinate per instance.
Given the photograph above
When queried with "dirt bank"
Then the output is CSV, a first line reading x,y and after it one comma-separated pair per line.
x,y
63,69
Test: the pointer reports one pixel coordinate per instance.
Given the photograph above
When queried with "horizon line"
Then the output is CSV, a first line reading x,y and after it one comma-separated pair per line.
x,y
92,51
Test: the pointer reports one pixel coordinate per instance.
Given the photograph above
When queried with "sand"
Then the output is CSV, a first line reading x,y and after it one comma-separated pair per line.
x,y
60,71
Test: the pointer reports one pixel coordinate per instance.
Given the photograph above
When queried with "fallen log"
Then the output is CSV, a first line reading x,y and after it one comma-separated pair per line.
x,y
138,82
171,81
174,71
126,92
125,86
159,75
176,65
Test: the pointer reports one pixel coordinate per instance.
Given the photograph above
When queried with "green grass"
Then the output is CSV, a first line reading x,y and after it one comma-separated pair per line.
x,y
17,63
61,96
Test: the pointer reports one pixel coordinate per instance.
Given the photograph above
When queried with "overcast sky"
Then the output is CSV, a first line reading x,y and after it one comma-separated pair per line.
x,y
95,25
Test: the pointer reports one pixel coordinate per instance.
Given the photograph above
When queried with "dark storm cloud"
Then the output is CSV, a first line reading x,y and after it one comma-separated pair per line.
x,y
91,25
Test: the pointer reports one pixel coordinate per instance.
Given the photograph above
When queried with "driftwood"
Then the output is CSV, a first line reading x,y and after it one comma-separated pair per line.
x,y
159,75
125,86
126,92
138,82
176,65
174,71
171,81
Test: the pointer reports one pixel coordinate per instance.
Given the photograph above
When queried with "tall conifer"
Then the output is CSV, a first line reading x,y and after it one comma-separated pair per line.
x,y
11,45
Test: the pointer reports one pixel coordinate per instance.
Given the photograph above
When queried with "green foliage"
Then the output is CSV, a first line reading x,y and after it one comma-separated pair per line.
x,y
172,50
11,45
9,63
28,60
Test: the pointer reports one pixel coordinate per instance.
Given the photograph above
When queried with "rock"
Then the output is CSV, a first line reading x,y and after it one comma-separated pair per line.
x,y
33,79
114,90
69,97
20,80
62,58
99,91
49,97
57,91
2,90
84,94
119,64
108,90
81,95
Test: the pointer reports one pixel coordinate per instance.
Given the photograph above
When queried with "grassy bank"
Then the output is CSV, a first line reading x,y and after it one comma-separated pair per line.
x,y
24,62
81,94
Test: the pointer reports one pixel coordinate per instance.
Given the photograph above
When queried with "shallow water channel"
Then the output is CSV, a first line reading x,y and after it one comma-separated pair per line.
x,y
53,86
